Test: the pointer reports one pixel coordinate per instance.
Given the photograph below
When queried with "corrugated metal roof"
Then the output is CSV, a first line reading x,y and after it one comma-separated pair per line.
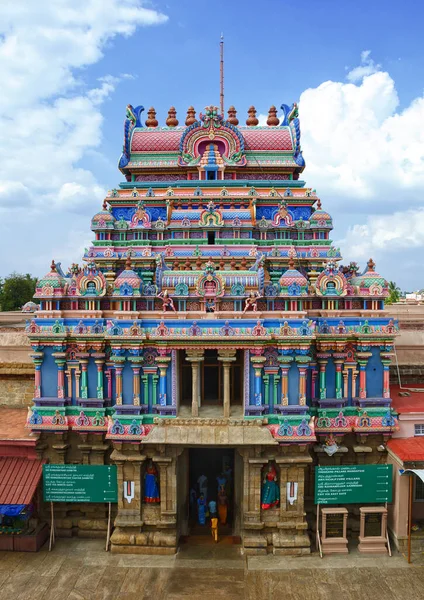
x,y
19,478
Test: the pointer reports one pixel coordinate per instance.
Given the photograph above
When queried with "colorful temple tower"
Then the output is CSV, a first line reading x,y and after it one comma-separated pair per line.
x,y
212,313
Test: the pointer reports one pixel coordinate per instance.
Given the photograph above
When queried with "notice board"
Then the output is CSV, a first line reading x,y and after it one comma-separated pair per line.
x,y
80,483
353,484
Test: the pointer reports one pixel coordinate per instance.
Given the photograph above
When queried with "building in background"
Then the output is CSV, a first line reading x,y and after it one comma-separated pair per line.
x,y
211,333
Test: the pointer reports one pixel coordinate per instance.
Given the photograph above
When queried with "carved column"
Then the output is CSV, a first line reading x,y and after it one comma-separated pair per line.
x,y
83,358
163,363
60,359
258,363
345,374
119,365
37,359
109,371
227,357
362,358
314,374
386,360
302,363
285,362
135,362
322,361
195,357
99,359
338,362
77,383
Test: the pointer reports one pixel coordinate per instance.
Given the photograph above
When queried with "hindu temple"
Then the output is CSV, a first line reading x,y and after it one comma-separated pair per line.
x,y
212,343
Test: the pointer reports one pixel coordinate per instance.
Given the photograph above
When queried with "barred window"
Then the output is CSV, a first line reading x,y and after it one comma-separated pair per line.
x,y
419,429
419,489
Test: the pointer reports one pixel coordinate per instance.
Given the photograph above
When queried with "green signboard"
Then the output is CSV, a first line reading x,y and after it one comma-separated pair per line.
x,y
353,484
80,483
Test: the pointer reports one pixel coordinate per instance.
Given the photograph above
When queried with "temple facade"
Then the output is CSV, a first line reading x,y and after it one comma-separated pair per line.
x,y
212,332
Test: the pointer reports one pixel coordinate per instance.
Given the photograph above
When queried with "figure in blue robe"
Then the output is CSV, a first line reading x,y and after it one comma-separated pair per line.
x,y
151,488
201,510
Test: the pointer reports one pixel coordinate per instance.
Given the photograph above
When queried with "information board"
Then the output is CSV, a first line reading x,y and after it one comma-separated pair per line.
x,y
80,483
353,484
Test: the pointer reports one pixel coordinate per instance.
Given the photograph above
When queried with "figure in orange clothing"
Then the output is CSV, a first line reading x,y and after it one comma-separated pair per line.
x,y
214,528
222,505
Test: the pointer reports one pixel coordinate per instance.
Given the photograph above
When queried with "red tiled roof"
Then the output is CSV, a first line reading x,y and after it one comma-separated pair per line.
x,y
407,404
19,478
268,139
168,140
407,448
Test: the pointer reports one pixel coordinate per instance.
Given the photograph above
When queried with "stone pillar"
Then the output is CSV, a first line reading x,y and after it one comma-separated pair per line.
x,y
145,378
119,365
77,383
354,377
163,363
386,360
322,361
258,363
128,520
275,380
285,367
135,362
345,374
314,374
195,357
99,359
83,358
109,371
338,361
302,363
155,378
227,357
37,359
60,359
362,358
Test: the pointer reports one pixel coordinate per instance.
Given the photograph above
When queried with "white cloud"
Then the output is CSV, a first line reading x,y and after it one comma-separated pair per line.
x,y
49,118
367,67
365,157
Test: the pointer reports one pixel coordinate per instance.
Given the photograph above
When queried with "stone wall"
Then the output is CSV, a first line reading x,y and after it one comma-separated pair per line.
x,y
16,368
16,384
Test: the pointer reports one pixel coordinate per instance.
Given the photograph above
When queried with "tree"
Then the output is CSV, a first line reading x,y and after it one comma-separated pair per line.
x,y
16,290
394,293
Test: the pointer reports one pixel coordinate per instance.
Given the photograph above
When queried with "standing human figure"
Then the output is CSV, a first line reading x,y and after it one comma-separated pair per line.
x,y
222,506
202,482
201,509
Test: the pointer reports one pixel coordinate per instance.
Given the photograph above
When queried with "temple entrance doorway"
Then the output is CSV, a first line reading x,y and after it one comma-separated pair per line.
x,y
211,477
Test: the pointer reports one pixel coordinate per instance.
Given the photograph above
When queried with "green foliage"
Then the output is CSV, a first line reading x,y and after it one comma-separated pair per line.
x,y
15,290
394,293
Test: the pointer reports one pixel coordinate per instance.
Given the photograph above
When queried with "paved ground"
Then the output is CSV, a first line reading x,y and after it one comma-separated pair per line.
x,y
82,570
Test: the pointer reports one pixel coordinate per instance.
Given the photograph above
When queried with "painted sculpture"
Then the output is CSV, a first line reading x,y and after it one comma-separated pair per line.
x,y
270,497
151,486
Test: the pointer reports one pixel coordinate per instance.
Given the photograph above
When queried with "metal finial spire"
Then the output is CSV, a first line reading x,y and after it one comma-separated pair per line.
x,y
221,97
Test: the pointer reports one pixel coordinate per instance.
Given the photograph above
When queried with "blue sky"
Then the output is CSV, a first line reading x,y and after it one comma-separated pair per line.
x,y
69,67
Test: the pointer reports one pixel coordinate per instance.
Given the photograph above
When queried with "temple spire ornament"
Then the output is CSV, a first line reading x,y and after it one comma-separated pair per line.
x,y
272,120
151,120
172,120
191,116
252,120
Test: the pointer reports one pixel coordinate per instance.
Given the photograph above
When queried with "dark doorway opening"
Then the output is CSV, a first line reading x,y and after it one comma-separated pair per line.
x,y
211,472
211,238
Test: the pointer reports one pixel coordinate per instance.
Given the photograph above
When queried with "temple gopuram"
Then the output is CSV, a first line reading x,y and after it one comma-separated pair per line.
x,y
211,344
